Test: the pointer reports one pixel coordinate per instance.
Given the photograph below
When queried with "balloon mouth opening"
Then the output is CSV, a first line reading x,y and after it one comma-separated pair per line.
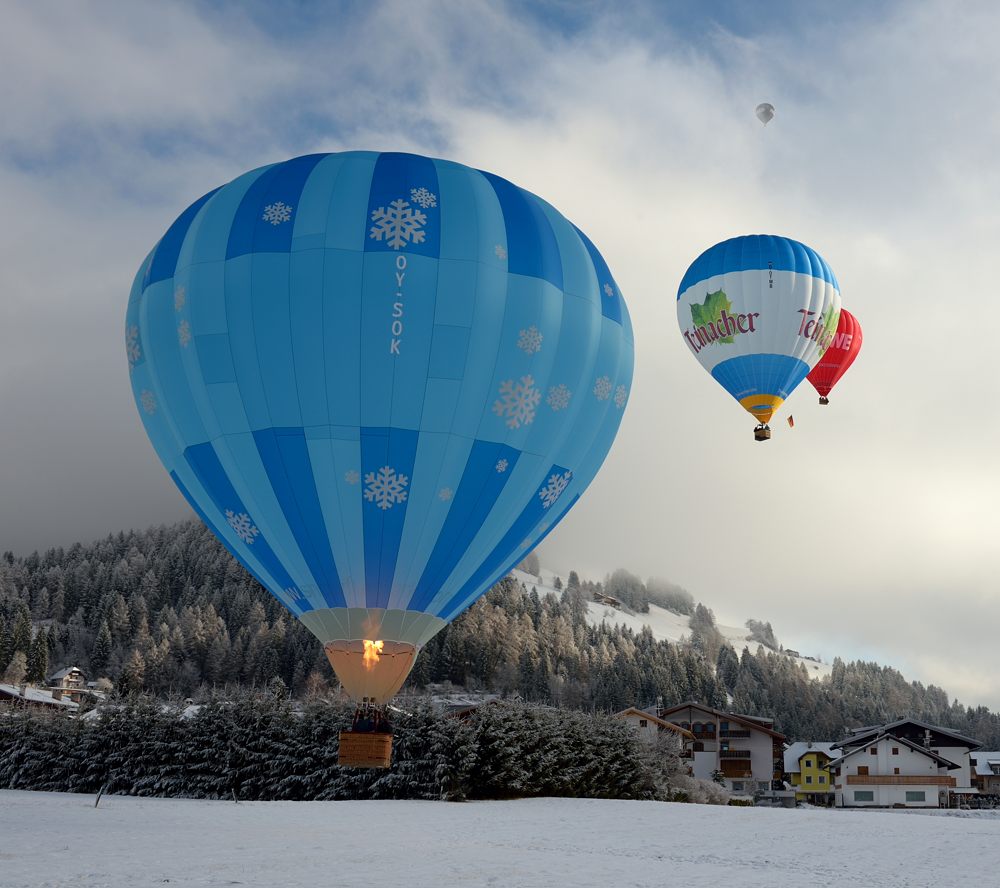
x,y
372,669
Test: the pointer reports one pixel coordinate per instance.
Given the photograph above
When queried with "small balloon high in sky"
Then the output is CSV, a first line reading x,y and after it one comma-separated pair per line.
x,y
381,380
764,112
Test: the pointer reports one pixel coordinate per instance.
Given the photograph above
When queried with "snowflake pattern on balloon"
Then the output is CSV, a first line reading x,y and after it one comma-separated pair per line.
x,y
517,401
621,396
530,340
294,594
423,198
244,527
385,488
184,333
445,494
277,213
351,476
558,397
608,291
398,225
602,388
133,350
554,488
180,297
501,251
501,466
148,401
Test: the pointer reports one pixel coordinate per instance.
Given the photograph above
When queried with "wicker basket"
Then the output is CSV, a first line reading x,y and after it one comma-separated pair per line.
x,y
762,433
364,750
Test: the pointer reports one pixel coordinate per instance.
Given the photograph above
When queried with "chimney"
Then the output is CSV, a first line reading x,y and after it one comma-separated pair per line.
x,y
927,738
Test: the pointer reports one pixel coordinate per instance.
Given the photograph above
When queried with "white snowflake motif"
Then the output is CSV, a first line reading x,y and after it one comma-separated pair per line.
x,y
148,401
180,297
243,526
184,333
621,396
398,225
385,488
277,213
517,401
423,197
501,251
294,594
132,348
554,488
602,388
608,291
501,466
445,494
558,397
530,340
352,477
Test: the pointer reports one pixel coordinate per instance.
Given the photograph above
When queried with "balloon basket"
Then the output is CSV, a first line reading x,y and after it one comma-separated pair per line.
x,y
762,433
364,749
824,401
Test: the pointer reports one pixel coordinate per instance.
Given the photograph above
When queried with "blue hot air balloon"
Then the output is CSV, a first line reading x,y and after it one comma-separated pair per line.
x,y
381,380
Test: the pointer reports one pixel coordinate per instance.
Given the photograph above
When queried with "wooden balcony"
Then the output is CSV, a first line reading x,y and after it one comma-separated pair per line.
x,y
738,769
734,734
900,780
734,754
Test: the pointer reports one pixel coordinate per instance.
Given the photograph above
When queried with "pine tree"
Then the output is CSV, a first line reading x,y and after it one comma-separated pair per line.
x,y
100,654
6,645
38,658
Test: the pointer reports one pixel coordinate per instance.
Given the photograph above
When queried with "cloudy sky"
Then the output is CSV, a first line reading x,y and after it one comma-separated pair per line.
x,y
868,530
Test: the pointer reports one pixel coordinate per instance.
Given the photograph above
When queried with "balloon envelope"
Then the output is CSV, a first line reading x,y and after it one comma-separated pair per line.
x,y
839,356
381,379
757,312
764,112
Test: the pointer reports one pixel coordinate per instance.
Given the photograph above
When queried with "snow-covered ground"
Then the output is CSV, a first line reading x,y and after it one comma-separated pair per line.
x,y
49,840
665,625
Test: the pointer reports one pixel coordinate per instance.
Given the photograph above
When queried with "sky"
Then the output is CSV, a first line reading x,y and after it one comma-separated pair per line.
x,y
867,531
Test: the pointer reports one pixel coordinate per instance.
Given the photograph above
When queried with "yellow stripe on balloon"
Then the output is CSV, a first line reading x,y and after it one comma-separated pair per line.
x,y
762,406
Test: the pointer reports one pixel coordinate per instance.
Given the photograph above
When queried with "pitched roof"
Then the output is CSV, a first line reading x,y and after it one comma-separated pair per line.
x,y
861,735
663,723
984,760
749,721
34,695
62,673
797,750
941,760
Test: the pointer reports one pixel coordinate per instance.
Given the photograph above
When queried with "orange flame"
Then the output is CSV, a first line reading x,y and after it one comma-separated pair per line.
x,y
372,650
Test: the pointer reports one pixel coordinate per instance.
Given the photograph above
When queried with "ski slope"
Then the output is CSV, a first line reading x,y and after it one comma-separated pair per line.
x,y
50,840
665,625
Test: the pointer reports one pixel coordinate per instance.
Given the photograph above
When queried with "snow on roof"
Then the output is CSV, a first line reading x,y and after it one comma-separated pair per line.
x,y
860,735
662,722
62,673
984,762
34,695
798,749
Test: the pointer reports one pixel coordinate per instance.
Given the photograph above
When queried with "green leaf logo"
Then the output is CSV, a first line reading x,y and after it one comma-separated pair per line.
x,y
710,312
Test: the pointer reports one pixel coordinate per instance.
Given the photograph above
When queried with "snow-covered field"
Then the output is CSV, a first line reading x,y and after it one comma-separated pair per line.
x,y
665,625
49,840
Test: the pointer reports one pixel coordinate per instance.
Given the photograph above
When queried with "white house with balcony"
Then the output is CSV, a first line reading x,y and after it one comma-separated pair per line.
x,y
744,752
906,763
650,727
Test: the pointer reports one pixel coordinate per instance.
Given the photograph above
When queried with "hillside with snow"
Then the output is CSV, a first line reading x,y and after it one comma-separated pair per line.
x,y
664,624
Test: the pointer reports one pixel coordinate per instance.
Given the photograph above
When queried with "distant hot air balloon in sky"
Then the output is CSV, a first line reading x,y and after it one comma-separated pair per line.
x,y
764,112
838,357
381,380
758,312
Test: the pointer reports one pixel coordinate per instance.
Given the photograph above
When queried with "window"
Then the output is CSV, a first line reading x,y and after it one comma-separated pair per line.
x,y
873,750
895,750
809,778
642,722
895,770
723,726
916,796
864,795
822,778
809,763
863,770
737,786
696,727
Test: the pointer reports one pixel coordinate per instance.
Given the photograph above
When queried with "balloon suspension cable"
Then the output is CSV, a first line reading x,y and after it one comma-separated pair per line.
x,y
371,718
762,432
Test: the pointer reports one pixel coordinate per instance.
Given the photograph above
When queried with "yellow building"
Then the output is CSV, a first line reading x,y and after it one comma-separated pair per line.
x,y
806,770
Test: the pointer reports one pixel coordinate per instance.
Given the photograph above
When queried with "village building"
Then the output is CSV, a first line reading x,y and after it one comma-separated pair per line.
x,y
70,683
807,770
985,772
39,698
650,726
907,763
742,752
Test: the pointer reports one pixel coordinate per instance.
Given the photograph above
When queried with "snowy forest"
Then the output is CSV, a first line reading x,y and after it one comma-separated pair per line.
x,y
170,613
